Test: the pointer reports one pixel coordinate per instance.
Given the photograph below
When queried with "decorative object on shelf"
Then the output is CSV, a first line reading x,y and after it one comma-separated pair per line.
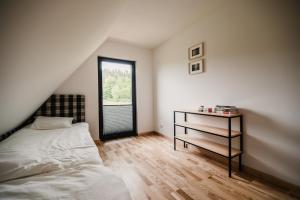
x,y
196,51
196,67
201,109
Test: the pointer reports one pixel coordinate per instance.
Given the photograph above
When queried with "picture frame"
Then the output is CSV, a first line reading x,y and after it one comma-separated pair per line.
x,y
196,67
196,51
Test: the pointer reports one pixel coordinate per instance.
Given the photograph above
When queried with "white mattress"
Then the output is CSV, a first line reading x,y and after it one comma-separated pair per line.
x,y
56,164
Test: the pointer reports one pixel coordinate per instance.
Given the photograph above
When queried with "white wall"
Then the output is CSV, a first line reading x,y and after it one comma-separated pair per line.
x,y
85,81
252,61
42,43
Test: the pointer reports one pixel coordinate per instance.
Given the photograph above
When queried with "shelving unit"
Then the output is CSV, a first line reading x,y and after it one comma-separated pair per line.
x,y
220,149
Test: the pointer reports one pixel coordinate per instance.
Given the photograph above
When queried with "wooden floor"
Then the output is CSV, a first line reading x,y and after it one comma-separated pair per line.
x,y
151,169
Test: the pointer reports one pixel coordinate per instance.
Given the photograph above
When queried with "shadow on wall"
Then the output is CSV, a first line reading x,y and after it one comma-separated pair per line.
x,y
272,146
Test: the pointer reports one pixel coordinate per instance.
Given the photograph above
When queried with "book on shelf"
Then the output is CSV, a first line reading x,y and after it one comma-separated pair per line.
x,y
227,109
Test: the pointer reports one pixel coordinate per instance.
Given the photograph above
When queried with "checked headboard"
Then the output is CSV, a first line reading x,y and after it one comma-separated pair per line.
x,y
57,105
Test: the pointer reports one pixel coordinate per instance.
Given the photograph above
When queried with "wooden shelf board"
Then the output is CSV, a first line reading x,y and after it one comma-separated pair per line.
x,y
209,114
209,145
210,129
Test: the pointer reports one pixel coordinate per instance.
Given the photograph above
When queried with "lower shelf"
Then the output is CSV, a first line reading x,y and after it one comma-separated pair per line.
x,y
209,145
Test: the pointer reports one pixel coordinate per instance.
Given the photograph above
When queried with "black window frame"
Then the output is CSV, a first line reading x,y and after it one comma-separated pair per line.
x,y
100,99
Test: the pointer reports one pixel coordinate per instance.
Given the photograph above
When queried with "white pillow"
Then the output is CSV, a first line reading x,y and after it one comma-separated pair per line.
x,y
48,123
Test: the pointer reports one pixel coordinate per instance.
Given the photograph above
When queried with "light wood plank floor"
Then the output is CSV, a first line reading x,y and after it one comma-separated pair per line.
x,y
151,169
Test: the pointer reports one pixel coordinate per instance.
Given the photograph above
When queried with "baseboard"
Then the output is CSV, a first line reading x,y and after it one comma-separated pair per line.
x,y
147,133
98,142
248,170
164,135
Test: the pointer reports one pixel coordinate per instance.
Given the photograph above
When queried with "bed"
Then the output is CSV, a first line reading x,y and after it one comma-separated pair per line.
x,y
56,164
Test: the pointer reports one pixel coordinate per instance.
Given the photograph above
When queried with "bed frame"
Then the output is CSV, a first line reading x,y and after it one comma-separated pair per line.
x,y
57,105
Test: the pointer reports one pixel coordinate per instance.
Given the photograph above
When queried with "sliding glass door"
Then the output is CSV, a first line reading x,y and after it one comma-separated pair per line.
x,y
117,98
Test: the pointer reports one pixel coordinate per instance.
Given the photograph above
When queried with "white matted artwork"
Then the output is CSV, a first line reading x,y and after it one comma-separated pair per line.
x,y
196,51
196,67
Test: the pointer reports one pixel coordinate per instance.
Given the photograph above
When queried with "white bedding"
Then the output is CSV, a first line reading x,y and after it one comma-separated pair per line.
x,y
56,164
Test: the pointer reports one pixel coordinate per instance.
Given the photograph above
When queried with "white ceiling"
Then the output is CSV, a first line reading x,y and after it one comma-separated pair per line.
x,y
148,23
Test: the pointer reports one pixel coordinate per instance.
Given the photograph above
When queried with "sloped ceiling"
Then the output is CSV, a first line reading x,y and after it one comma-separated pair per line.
x,y
148,23
42,43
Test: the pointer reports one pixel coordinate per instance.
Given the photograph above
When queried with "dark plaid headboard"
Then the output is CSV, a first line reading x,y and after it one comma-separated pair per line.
x,y
57,105
64,106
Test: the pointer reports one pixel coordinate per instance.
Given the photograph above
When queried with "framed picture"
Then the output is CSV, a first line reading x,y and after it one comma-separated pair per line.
x,y
196,67
196,51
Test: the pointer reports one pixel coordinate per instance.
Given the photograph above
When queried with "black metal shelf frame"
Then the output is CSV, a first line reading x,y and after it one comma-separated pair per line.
x,y
229,157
